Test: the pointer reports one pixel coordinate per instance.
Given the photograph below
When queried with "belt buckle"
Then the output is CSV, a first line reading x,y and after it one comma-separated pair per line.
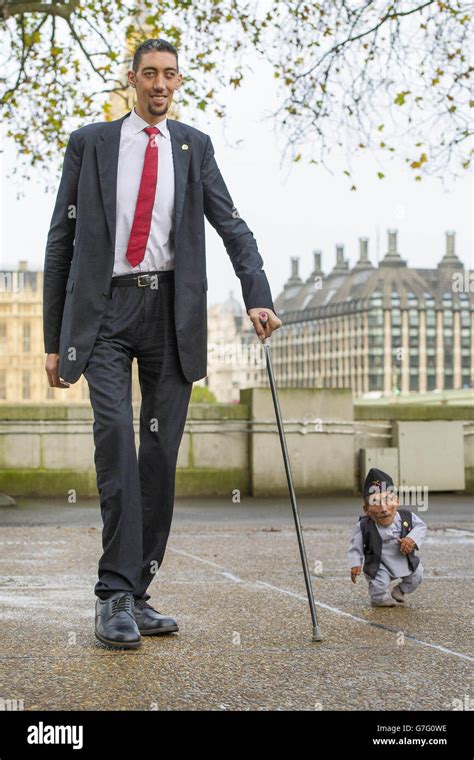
x,y
144,284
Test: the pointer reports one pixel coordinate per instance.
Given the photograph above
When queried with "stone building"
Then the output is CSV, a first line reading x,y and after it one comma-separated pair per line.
x,y
385,329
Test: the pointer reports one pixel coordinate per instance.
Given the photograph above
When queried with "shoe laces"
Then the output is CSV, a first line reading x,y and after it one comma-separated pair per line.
x,y
122,604
141,603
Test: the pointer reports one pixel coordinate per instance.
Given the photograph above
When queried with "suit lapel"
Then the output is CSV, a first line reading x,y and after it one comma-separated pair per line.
x,y
181,159
107,149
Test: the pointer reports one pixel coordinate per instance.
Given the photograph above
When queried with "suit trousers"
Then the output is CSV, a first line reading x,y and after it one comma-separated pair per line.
x,y
136,493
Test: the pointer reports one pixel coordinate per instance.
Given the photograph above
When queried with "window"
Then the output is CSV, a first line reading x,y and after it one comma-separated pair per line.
x,y
26,391
376,338
376,360
376,298
3,338
375,382
26,337
375,318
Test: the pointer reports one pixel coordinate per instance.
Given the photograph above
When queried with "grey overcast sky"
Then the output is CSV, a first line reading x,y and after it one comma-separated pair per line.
x,y
292,210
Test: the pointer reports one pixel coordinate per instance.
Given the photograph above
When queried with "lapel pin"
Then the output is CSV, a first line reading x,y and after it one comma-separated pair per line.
x,y
185,146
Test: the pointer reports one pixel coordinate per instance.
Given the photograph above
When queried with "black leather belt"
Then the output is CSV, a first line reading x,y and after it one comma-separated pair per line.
x,y
143,280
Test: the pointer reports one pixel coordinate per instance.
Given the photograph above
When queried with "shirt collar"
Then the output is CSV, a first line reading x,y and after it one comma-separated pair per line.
x,y
137,124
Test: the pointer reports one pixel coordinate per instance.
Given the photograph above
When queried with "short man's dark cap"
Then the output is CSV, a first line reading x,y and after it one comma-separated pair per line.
x,y
376,480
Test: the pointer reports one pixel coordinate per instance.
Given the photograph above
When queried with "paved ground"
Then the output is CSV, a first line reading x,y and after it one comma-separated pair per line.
x,y
233,578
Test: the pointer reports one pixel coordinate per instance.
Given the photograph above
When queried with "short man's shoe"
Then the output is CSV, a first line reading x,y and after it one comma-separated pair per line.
x,y
115,623
386,603
150,621
398,594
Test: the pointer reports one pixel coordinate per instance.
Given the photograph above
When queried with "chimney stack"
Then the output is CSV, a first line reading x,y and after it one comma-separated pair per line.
x,y
294,279
450,259
363,262
341,264
392,258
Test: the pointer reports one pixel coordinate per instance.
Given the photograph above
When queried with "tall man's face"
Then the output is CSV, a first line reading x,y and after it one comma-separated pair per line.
x,y
155,82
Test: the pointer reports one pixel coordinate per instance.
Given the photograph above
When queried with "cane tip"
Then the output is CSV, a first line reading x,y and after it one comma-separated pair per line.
x,y
317,635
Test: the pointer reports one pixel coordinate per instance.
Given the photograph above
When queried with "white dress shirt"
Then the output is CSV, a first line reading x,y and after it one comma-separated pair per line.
x,y
159,253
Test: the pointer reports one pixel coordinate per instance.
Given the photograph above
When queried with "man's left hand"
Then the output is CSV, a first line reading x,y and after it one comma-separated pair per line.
x,y
407,545
273,322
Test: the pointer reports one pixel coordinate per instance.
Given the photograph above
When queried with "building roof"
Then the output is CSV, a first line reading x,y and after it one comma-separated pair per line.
x,y
346,290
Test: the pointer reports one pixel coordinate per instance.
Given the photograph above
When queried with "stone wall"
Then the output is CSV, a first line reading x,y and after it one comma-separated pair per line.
x,y
48,450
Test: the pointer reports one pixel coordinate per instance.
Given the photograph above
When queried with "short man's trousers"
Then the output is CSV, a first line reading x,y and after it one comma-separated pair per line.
x,y
379,587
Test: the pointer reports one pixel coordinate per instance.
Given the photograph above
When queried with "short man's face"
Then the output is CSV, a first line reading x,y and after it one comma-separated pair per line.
x,y
381,507
155,82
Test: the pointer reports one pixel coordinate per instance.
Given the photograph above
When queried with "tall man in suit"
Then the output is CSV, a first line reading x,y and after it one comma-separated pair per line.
x,y
125,278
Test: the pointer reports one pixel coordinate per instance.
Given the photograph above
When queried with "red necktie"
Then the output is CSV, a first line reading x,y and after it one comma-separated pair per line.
x,y
146,198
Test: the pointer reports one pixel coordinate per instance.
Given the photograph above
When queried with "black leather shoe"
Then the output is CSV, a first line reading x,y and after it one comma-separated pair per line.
x,y
150,621
115,622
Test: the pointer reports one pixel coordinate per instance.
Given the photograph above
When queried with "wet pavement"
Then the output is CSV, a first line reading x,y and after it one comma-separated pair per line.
x,y
232,577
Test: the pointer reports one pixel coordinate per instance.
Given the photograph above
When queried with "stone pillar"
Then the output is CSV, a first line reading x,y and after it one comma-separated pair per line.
x,y
359,353
306,355
405,368
343,375
347,359
365,349
472,348
322,352
422,379
352,327
457,372
439,351
291,349
387,353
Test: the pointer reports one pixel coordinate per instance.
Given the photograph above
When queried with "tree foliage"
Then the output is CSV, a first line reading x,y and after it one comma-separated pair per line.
x,y
389,77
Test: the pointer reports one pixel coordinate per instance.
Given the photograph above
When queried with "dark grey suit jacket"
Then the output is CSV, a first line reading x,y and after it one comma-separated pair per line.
x,y
79,255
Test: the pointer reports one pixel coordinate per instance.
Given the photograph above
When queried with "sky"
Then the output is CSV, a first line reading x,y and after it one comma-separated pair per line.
x,y
291,210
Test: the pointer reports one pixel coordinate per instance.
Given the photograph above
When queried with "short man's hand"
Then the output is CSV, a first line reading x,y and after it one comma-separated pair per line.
x,y
273,322
406,545
355,571
51,367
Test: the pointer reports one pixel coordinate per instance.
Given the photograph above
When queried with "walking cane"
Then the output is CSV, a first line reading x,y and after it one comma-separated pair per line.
x,y
317,636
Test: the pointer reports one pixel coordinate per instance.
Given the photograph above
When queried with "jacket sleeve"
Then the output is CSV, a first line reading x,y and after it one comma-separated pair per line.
x,y
418,530
60,246
238,239
355,553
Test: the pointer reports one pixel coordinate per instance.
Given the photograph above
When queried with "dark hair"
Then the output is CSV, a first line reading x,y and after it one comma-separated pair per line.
x,y
150,45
